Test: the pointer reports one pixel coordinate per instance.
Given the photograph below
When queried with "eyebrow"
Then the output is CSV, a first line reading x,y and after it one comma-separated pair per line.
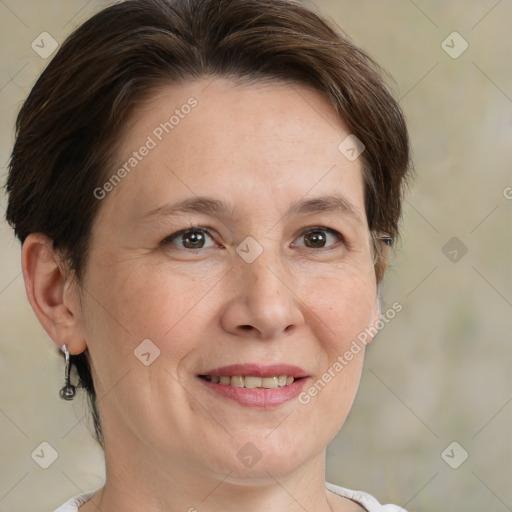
x,y
210,205
198,204
331,203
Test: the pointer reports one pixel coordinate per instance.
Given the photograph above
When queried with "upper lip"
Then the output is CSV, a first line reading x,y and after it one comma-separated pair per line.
x,y
257,370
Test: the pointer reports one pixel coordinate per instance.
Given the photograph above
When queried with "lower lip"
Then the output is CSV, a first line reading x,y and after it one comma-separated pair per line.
x,y
258,397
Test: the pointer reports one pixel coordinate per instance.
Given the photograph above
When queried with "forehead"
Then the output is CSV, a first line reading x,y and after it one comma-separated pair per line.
x,y
261,144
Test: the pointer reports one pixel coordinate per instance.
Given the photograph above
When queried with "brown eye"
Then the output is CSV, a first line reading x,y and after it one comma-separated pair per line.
x,y
315,239
189,239
193,239
319,238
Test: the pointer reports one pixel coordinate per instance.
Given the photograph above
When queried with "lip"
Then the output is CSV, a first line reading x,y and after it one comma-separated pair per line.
x,y
259,398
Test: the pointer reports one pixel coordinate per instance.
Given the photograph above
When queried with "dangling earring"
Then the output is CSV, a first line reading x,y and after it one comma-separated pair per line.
x,y
68,392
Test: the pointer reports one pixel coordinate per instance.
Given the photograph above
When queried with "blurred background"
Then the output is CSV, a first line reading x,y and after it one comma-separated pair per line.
x,y
431,426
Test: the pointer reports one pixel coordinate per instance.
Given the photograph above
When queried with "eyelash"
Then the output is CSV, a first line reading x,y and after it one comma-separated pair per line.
x,y
169,239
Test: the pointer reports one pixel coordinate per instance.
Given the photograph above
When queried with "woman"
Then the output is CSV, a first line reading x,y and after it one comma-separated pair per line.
x,y
206,192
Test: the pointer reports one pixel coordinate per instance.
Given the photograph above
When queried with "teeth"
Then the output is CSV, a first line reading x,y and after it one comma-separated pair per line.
x,y
270,382
251,382
237,381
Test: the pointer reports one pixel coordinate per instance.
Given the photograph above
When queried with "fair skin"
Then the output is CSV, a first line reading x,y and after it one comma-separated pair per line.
x,y
171,443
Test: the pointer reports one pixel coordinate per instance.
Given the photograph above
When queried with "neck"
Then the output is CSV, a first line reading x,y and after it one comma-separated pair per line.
x,y
138,480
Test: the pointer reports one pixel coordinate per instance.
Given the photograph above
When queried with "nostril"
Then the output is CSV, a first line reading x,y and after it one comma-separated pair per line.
x,y
246,327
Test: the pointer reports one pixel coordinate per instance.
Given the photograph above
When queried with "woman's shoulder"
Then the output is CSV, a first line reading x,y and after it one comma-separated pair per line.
x,y
362,498
72,504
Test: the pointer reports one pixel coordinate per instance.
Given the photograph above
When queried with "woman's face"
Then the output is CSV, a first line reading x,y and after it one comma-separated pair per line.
x,y
237,237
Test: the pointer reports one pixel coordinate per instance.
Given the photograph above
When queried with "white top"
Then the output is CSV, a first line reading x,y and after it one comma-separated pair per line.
x,y
367,501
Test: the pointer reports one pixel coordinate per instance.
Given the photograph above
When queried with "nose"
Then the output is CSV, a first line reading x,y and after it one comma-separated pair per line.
x,y
263,304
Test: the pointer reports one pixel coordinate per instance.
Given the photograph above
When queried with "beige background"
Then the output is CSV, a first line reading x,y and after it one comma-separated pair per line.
x,y
439,372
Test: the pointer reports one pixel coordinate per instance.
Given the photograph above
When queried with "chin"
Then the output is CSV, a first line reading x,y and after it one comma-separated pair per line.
x,y
259,457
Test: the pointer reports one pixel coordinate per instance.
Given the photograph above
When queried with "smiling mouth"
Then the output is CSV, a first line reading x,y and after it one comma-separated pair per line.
x,y
250,381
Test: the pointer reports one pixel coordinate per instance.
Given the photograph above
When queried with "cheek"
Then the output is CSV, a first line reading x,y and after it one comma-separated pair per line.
x,y
124,293
343,307
127,304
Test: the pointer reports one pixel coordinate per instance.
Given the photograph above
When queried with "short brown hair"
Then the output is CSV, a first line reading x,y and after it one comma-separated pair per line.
x,y
69,126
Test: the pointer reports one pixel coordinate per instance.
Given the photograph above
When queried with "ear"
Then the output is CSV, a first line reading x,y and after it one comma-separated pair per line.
x,y
382,254
52,293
